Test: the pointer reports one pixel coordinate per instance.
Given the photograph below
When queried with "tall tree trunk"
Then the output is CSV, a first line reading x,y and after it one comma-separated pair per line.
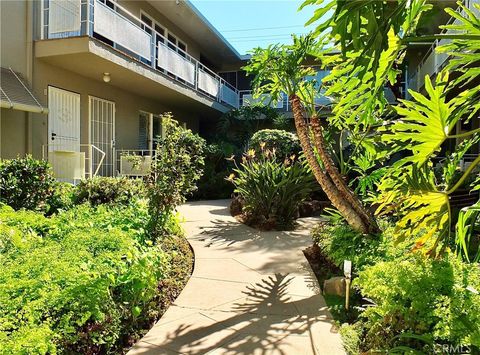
x,y
337,178
334,195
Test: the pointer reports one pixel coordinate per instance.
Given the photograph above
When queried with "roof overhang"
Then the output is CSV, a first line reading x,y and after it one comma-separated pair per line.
x,y
16,95
213,45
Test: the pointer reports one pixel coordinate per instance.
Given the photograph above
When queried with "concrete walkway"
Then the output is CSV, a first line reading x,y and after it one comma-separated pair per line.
x,y
251,293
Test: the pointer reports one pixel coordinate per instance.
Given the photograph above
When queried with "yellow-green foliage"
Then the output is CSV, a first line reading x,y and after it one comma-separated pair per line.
x,y
435,299
74,282
340,242
419,302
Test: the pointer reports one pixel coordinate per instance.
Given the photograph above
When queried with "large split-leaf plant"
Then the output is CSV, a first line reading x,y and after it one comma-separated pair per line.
x,y
372,37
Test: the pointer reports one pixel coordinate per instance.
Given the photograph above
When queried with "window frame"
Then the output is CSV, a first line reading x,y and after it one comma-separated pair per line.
x,y
166,31
150,143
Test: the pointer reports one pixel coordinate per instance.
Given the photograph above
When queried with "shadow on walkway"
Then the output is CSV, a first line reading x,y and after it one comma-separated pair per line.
x,y
261,324
222,232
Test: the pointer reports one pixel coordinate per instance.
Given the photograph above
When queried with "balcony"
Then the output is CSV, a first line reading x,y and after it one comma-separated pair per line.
x,y
433,62
113,26
247,99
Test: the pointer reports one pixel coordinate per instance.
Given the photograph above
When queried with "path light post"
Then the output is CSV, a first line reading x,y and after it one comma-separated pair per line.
x,y
347,271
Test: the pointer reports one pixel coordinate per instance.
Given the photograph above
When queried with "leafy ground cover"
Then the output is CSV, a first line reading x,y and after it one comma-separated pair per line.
x,y
88,269
87,280
402,301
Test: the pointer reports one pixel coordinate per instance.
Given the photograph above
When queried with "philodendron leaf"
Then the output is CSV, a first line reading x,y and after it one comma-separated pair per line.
x,y
428,212
423,210
424,123
136,311
476,184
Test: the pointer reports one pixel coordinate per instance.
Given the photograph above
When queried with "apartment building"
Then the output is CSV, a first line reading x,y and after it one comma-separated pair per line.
x,y
84,81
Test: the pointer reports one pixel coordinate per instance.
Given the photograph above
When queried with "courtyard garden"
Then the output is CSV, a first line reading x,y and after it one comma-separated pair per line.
x,y
89,268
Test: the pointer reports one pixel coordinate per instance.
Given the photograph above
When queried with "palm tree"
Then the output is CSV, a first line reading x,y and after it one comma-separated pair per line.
x,y
277,69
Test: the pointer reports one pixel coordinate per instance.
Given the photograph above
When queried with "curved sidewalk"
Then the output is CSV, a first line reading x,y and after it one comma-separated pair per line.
x,y
251,292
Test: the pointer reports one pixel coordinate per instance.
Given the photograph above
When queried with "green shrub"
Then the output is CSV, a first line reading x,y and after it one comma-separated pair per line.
x,y
340,242
175,171
351,338
435,299
28,222
62,198
419,301
81,285
99,190
283,142
272,189
26,183
212,185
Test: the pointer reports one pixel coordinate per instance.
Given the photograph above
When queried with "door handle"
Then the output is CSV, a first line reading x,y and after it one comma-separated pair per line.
x,y
53,136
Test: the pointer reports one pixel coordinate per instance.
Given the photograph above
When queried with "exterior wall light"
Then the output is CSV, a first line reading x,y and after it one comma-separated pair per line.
x,y
106,77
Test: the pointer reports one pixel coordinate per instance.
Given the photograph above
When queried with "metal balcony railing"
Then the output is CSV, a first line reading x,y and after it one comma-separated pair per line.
x,y
433,62
247,99
116,26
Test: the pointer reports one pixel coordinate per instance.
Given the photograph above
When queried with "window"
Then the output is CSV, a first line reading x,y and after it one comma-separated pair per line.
x,y
149,130
172,41
147,23
162,35
110,3
183,48
150,25
161,31
143,131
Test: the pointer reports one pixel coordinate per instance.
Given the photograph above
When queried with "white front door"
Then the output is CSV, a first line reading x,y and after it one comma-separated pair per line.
x,y
102,135
63,120
64,134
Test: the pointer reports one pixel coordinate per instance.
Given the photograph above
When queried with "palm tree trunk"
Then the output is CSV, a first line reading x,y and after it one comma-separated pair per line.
x,y
332,192
337,178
